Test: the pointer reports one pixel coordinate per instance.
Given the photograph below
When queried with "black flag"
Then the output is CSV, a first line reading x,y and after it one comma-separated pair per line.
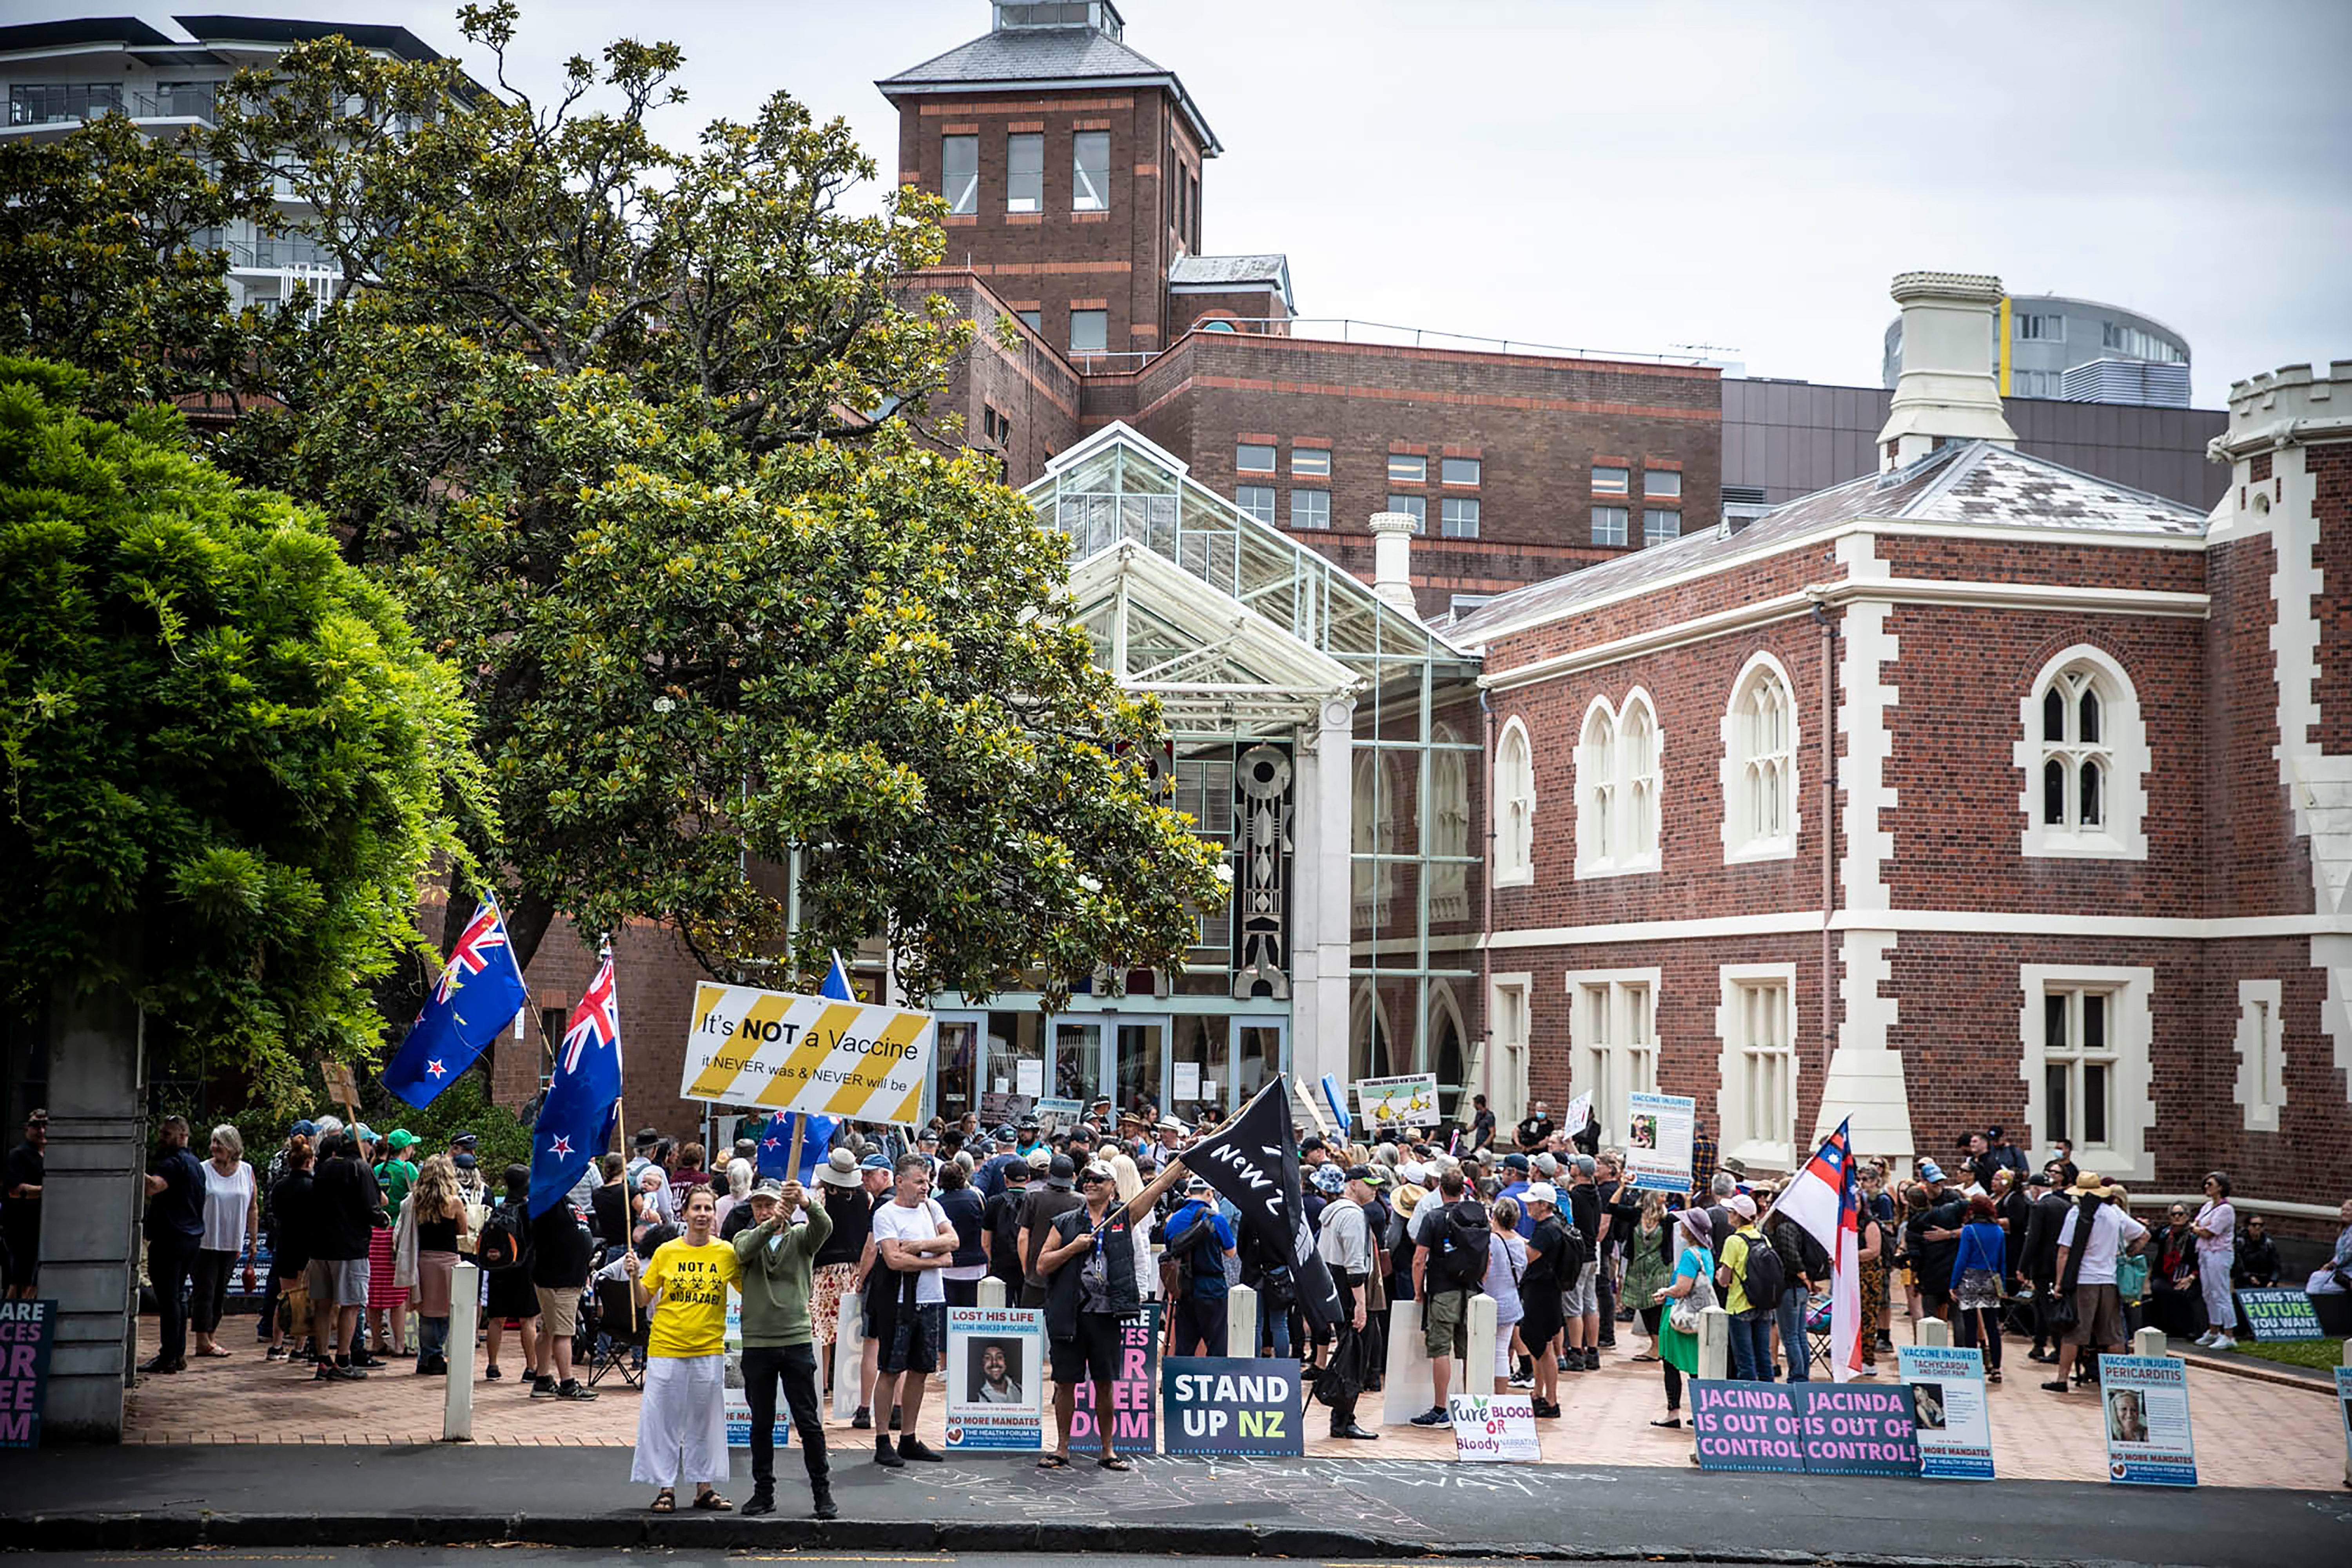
x,y
1254,1163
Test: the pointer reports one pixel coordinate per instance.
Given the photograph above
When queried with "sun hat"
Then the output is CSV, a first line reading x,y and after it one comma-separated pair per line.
x,y
839,1170
1330,1179
2088,1182
1696,1222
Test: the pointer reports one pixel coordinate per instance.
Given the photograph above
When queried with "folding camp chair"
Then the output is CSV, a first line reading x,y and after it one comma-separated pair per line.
x,y
1817,1334
618,1347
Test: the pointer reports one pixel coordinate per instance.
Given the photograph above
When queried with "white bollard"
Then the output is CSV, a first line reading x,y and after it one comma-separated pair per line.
x,y
1715,1344
1936,1333
457,1396
2149,1342
992,1292
1478,1376
848,1354
1409,1389
1240,1322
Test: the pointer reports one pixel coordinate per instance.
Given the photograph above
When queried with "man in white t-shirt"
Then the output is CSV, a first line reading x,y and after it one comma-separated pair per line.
x,y
906,1302
2099,1310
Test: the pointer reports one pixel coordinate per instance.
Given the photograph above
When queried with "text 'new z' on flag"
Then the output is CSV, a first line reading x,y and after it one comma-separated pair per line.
x,y
813,1054
584,1094
1825,1199
478,993
1253,1161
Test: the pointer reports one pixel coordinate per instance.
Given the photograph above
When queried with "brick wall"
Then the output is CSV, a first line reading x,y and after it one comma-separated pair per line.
x,y
2330,467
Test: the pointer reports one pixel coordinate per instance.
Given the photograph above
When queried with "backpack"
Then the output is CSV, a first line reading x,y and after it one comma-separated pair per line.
x,y
1763,1278
1462,1239
1575,1252
504,1240
1204,1263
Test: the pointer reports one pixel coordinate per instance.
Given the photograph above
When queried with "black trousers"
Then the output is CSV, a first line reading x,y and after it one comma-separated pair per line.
x,y
1202,1323
168,1257
1607,1287
796,1367
1343,1411
1653,1318
209,1298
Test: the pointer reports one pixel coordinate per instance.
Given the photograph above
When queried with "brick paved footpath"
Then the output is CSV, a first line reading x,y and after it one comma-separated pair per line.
x,y
2249,1433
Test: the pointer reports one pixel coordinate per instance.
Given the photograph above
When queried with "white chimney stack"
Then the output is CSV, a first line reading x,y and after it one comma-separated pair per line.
x,y
1947,390
1392,559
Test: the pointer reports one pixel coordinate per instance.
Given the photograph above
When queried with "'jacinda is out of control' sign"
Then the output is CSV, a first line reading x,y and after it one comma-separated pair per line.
x,y
806,1054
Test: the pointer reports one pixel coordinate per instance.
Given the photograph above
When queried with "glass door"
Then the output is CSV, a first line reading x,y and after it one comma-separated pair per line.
x,y
1142,1067
1261,1051
955,1060
1075,1067
1015,1067
1200,1074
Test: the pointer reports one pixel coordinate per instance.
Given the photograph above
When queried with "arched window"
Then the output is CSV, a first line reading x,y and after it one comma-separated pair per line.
x,y
1514,807
2084,754
1449,825
1617,809
1637,751
1759,765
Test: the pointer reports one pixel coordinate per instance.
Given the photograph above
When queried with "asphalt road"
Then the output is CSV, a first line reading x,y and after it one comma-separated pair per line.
x,y
528,1557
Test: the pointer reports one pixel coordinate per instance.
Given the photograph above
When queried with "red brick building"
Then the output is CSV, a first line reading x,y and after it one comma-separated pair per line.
x,y
1976,791
1073,170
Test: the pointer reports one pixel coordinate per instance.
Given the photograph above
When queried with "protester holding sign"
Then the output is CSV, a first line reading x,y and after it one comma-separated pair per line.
x,y
786,1232
1088,1262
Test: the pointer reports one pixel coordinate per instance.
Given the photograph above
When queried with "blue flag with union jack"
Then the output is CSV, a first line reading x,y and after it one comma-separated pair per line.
x,y
479,994
584,1094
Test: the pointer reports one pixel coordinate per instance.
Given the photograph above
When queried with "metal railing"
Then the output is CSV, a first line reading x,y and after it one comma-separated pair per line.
x,y
1351,330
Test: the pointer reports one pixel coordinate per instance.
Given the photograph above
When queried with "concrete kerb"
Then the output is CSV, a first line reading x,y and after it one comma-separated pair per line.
x,y
189,1531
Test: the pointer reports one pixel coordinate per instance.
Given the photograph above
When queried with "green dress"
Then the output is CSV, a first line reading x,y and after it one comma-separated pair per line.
x,y
1675,1348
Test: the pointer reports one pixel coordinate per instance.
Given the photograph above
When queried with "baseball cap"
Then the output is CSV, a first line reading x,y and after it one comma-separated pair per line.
x,y
465,1160
363,1132
1098,1171
1359,1173
1542,1193
927,1135
399,1138
2039,1178
306,1128
1197,1184
1310,1143
1544,1164
1062,1172
1518,1163
876,1162
1741,1205
1930,1172
1584,1165
768,1188
462,1140
1414,1171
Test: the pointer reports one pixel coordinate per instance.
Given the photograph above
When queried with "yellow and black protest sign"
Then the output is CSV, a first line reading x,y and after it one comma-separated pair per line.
x,y
808,1053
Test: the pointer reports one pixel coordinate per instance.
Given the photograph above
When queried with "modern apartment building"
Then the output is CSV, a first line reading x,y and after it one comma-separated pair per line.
x,y
2076,351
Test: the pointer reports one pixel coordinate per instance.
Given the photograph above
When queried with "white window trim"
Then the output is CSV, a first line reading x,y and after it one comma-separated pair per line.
x,y
2122,835
1739,848
1730,1100
1621,856
1512,870
1615,1038
2264,1100
2130,1030
1505,1079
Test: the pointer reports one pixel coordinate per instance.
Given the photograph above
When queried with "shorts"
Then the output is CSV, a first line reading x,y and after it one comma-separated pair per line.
x,y
1538,1326
1091,1354
342,1280
1445,1324
559,1312
910,1342
1584,1296
2098,1316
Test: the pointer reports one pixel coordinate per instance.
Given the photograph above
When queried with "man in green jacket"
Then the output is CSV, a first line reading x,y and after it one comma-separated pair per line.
x,y
785,1234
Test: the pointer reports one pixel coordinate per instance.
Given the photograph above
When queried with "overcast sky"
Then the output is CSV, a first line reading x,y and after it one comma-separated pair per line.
x,y
1635,176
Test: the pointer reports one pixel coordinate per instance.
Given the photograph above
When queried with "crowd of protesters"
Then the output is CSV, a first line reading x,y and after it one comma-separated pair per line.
x,y
1092,1221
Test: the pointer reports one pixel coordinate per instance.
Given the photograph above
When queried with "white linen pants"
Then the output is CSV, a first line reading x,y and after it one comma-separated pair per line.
x,y
682,1422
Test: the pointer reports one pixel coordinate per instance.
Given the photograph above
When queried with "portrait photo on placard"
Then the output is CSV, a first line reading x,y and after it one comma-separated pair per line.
x,y
1644,1132
2127,1416
995,1373
1927,1407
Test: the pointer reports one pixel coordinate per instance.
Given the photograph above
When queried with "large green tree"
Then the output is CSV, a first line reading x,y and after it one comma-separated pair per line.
x,y
227,760
644,435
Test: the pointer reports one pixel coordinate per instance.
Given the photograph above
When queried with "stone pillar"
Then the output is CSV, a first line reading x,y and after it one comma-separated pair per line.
x,y
1241,1322
992,1292
849,1359
1319,905
2149,1342
1409,1388
1715,1344
458,1397
1936,1333
91,1204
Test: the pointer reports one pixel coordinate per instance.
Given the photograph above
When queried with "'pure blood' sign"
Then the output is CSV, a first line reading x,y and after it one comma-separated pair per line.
x,y
1829,1430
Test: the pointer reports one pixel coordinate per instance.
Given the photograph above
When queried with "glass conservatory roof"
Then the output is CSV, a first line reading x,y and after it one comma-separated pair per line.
x,y
1115,486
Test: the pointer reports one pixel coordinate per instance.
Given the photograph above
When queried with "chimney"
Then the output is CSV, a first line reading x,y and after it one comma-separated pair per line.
x,y
1392,559
1946,391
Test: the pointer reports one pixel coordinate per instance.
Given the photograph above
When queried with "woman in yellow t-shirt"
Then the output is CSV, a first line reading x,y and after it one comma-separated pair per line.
x,y
682,1416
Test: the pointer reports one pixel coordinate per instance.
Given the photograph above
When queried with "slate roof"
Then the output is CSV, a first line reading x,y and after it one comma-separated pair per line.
x,y
1972,482
1211,273
1026,56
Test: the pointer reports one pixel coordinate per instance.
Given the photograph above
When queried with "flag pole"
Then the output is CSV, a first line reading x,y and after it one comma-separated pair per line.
x,y
621,1130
